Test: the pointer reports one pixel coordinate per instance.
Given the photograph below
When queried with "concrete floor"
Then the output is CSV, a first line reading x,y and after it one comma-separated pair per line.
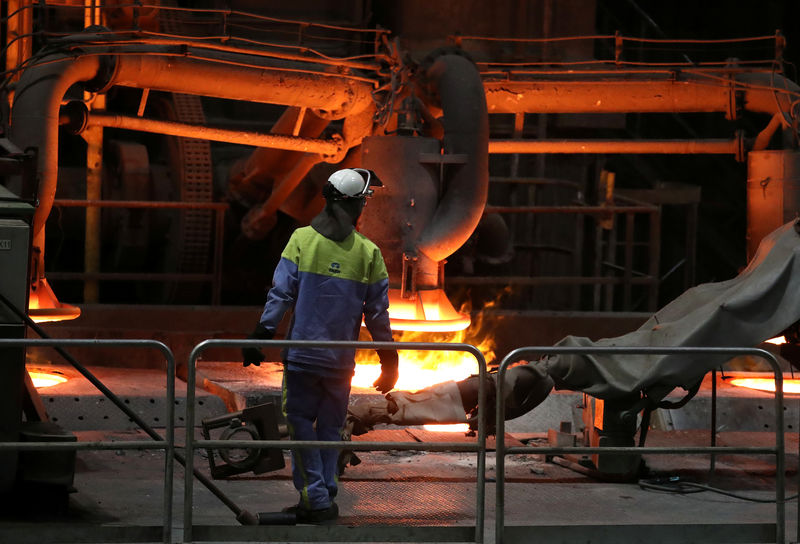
x,y
403,496
395,496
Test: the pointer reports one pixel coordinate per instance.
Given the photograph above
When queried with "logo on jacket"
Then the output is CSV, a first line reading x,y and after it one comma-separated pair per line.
x,y
334,268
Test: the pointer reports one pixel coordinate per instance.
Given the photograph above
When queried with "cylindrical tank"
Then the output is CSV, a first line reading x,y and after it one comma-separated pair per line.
x,y
773,193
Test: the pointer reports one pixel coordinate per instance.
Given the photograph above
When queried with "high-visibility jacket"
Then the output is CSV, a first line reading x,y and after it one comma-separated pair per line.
x,y
332,286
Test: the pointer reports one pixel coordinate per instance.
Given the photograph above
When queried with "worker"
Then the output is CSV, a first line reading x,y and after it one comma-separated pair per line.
x,y
332,276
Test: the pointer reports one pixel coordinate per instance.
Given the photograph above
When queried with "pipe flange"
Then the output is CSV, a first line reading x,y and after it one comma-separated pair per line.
x,y
101,82
341,152
74,116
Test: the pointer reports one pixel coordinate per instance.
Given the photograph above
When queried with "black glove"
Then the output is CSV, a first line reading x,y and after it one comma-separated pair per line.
x,y
254,356
388,377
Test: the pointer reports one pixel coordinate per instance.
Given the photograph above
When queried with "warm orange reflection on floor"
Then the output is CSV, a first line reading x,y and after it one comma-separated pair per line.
x,y
45,379
767,384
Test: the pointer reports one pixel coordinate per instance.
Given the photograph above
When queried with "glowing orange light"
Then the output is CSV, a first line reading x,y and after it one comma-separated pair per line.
x,y
429,310
45,379
767,384
453,428
43,306
778,340
420,369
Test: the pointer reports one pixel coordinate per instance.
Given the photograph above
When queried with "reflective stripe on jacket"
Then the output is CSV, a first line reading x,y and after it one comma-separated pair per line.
x,y
331,286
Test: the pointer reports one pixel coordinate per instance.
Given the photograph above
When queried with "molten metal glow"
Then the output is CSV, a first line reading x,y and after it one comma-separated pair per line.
x,y
421,369
429,310
45,379
454,428
778,340
43,306
767,384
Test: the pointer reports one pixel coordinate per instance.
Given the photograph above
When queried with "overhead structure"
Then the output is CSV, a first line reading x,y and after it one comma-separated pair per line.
x,y
422,125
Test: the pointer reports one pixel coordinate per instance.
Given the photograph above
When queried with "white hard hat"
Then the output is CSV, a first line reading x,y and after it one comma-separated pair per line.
x,y
353,182
348,182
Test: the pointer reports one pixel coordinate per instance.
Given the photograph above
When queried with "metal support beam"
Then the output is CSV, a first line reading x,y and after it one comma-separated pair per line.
x,y
257,139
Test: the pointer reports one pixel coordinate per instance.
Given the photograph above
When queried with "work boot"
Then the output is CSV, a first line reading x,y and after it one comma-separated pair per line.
x,y
324,516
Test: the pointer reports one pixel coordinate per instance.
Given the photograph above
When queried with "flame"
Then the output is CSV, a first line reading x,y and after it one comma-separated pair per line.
x,y
420,369
767,384
778,340
428,310
42,379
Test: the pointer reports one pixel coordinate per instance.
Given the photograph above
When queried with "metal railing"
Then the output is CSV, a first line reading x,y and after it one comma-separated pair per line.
x,y
420,534
348,534
524,352
607,274
167,443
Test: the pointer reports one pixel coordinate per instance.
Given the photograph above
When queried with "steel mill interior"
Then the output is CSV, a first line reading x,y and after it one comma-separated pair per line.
x,y
588,212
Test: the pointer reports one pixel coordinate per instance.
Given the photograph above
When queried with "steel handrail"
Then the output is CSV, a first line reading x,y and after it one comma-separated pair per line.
x,y
479,447
167,444
778,450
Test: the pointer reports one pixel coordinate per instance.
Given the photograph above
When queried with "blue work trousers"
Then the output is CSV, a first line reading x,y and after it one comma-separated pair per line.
x,y
315,408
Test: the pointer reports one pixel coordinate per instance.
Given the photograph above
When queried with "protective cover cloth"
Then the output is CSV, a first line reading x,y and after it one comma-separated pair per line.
x,y
758,304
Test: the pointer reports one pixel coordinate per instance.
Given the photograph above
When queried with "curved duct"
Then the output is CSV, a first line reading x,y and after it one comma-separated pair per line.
x,y
433,197
466,132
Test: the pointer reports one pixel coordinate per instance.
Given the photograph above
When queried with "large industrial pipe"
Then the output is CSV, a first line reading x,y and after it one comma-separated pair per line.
x,y
678,147
466,132
35,112
217,78
171,128
34,124
684,93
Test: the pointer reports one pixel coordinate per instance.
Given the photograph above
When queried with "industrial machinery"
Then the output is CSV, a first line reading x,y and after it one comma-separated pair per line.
x,y
163,148
22,413
253,423
177,149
